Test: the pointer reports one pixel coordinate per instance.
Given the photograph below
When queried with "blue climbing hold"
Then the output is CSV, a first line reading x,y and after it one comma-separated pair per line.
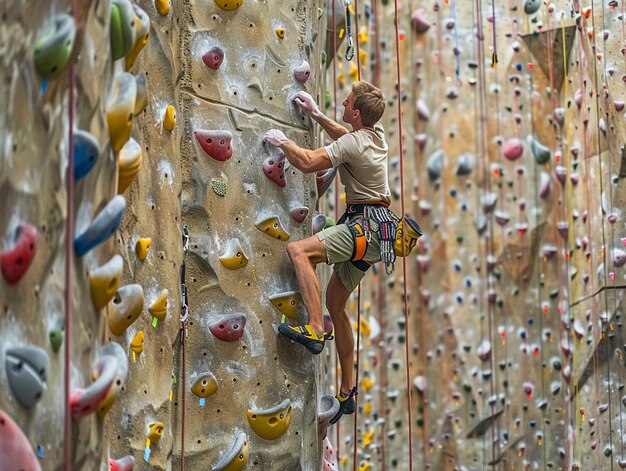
x,y
86,152
102,227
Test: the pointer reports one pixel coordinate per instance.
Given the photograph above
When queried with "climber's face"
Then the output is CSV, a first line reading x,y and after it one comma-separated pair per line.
x,y
349,113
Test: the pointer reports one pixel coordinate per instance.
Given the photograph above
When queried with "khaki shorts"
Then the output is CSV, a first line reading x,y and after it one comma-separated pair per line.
x,y
339,248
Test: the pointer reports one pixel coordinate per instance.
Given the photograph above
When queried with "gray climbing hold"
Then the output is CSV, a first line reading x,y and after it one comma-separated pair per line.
x,y
465,164
540,152
531,6
329,406
318,223
434,166
26,369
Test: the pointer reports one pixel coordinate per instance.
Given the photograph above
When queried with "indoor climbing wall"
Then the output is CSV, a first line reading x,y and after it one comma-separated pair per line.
x,y
513,169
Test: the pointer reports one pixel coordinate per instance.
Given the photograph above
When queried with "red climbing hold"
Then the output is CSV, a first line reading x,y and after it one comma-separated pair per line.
x,y
229,328
274,169
16,261
513,149
16,451
216,144
123,464
213,59
299,214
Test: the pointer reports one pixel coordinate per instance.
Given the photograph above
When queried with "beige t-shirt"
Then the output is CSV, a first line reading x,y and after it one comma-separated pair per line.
x,y
361,158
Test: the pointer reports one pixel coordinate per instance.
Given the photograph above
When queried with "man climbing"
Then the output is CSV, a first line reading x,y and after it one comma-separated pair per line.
x,y
352,246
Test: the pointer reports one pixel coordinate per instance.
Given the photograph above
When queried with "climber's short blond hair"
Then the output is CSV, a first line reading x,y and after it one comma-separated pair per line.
x,y
370,101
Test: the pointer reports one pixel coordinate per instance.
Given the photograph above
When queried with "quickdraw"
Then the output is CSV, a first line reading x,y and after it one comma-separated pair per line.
x,y
350,49
386,223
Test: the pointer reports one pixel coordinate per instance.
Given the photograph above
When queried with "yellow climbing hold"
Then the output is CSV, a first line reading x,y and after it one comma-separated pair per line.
x,y
104,281
205,385
365,466
120,110
280,32
155,432
272,227
367,408
341,78
341,33
363,35
234,258
367,439
229,5
163,6
237,458
366,329
272,423
142,33
354,71
129,162
125,308
142,247
136,345
287,303
367,383
158,308
169,120
362,56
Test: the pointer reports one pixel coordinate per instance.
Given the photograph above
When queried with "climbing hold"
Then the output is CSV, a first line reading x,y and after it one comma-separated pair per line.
x,y
102,227
318,223
299,213
330,463
274,169
142,33
136,344
56,338
214,58
142,247
531,6
541,152
237,457
465,164
86,152
16,260
559,115
544,185
163,6
502,217
302,72
513,149
287,303
141,98
229,328
560,173
272,227
158,308
324,179
219,186
53,48
329,406
434,166
169,120
234,258
484,350
122,28
272,423
619,257
216,144
123,464
125,308
109,373
280,32
420,22
104,281
128,162
26,369
155,432
229,5
205,385
423,112
121,109
16,451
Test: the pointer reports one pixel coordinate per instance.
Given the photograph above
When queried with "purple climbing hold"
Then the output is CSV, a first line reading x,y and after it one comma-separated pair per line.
x,y
513,149
544,185
213,59
229,328
319,221
420,22
15,261
619,257
324,180
302,72
216,144
619,105
274,169
299,213
563,228
561,174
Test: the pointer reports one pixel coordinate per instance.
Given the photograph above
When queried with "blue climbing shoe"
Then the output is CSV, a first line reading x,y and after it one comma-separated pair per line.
x,y
347,405
305,335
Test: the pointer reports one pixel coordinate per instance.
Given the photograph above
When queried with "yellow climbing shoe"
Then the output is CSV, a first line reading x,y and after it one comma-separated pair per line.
x,y
305,335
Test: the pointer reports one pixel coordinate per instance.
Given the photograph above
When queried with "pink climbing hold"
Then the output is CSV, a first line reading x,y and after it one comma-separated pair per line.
x,y
544,185
299,214
274,169
16,261
86,401
619,105
16,451
330,462
123,464
229,328
513,149
324,179
420,22
213,59
302,72
216,144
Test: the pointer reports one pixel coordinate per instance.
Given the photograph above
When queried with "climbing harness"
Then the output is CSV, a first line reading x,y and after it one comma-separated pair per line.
x,y
184,332
350,49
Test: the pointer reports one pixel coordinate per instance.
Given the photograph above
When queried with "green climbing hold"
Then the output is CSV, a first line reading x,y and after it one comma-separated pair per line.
x,y
54,47
328,99
541,152
323,57
330,222
122,28
56,339
219,186
320,13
